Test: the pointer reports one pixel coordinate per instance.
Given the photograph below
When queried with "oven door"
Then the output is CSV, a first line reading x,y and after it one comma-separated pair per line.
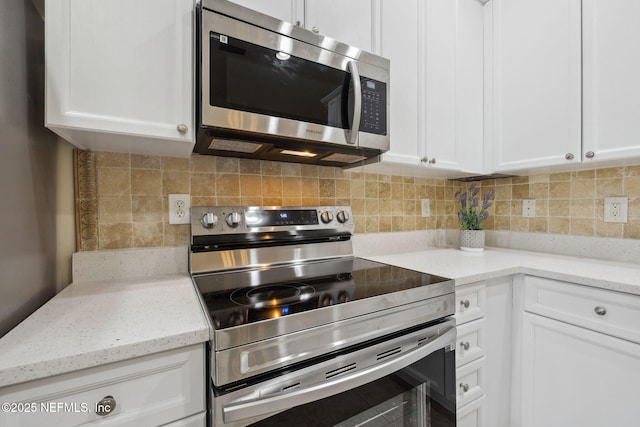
x,y
404,380
264,83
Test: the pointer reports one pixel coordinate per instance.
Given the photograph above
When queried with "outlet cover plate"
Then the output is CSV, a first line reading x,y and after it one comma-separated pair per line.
x,y
529,208
615,209
426,208
179,209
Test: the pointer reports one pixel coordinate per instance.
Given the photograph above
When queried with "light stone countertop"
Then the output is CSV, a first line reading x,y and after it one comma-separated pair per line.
x,y
468,267
94,323
91,322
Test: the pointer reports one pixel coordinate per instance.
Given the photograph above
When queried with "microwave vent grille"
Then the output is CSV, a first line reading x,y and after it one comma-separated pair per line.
x,y
343,158
234,145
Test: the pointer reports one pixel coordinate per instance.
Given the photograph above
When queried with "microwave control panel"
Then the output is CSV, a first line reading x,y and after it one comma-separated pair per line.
x,y
374,107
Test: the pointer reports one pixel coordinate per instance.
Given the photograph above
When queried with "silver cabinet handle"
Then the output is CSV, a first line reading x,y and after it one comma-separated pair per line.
x,y
589,154
182,128
568,156
464,387
600,310
106,406
465,303
352,67
465,345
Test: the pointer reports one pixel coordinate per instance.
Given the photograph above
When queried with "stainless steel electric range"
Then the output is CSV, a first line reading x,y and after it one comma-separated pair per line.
x,y
305,333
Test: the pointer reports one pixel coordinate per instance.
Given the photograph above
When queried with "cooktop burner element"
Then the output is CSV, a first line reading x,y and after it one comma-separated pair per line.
x,y
272,295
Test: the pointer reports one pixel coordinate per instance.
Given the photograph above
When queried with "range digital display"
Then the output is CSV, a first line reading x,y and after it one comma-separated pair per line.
x,y
272,218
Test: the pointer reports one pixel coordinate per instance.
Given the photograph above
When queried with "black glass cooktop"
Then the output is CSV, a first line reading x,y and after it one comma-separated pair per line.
x,y
243,297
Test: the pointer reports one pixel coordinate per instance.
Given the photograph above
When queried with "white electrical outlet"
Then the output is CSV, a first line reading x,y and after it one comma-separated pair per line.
x,y
615,209
529,208
426,208
179,209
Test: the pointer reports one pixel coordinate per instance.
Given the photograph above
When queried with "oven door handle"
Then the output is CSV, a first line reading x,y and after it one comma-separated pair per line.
x,y
236,411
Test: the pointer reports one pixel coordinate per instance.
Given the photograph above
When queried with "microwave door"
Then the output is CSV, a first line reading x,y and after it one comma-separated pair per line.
x,y
249,78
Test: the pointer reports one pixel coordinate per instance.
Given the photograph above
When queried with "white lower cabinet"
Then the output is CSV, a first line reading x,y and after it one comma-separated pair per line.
x,y
483,353
152,390
472,415
574,368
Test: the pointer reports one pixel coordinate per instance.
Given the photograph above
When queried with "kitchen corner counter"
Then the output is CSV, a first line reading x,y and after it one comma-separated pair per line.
x,y
93,323
467,267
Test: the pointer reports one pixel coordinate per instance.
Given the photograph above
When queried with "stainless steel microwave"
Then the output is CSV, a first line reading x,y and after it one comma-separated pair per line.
x,y
272,90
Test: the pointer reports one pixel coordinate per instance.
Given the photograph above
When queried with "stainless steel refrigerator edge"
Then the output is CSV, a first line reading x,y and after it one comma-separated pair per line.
x,y
36,173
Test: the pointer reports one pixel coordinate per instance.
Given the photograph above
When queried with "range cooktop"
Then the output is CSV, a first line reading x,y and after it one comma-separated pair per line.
x,y
248,296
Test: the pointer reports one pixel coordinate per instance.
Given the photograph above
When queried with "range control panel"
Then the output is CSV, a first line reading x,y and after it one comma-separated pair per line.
x,y
214,220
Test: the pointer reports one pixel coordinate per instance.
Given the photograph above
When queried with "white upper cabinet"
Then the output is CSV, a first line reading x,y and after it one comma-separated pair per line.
x,y
402,50
284,10
436,85
611,79
453,99
119,74
536,84
352,22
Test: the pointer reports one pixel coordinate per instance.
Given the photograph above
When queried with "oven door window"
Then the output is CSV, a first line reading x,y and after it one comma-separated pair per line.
x,y
420,395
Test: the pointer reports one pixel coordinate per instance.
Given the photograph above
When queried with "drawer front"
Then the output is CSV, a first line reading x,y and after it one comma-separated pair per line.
x,y
470,382
613,313
198,420
148,391
471,415
470,342
470,303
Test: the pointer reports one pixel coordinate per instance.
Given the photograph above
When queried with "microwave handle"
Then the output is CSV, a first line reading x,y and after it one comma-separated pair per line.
x,y
352,67
236,411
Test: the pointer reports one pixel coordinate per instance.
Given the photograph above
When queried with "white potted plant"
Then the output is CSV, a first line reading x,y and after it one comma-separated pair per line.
x,y
471,215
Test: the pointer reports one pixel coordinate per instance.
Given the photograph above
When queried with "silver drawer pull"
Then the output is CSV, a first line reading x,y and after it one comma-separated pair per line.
x,y
464,387
465,303
465,345
600,310
106,406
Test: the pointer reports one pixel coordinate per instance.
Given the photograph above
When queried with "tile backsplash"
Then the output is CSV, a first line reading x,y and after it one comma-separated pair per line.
x,y
122,198
567,203
132,195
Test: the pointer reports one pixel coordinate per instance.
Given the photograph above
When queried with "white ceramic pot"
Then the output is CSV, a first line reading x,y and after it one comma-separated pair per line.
x,y
472,240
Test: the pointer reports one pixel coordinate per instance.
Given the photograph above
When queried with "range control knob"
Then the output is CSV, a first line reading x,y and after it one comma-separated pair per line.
x,y
209,220
233,219
343,217
326,217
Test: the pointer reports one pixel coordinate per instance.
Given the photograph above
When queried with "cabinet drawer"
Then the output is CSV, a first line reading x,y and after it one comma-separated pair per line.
x,y
470,342
148,391
609,312
471,415
470,382
470,303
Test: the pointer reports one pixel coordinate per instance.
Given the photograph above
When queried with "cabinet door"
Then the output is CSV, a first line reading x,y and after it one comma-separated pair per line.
x,y
402,49
454,97
536,83
351,22
284,10
576,377
120,74
611,83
